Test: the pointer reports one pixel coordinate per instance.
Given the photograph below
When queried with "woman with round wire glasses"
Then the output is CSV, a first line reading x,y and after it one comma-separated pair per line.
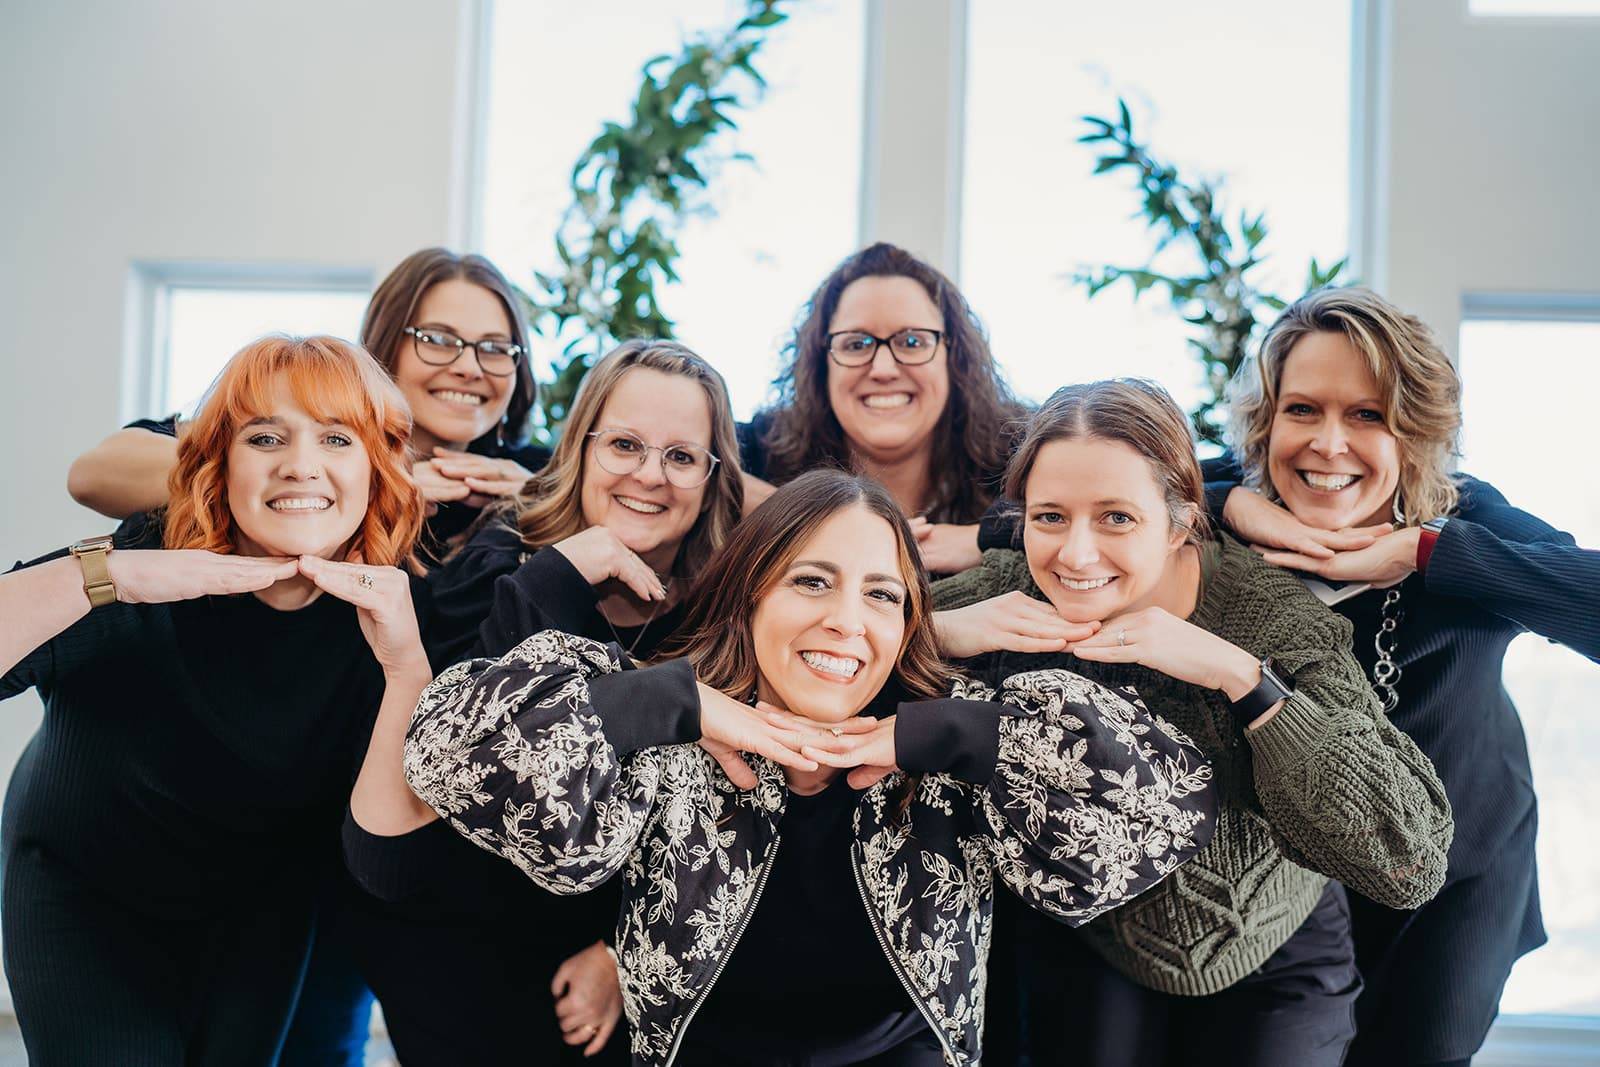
x,y
889,373
643,486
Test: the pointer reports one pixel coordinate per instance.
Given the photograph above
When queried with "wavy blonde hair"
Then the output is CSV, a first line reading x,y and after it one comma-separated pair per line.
x,y
335,381
1418,389
550,506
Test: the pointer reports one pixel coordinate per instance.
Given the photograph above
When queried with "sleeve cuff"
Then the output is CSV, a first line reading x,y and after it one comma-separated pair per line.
x,y
395,868
960,738
648,707
1217,498
1284,740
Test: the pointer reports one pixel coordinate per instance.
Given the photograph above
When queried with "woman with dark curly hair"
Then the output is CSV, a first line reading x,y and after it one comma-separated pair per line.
x,y
890,375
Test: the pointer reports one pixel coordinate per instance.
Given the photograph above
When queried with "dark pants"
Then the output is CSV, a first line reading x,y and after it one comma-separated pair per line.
x,y
1434,975
333,1016
1053,1000
95,981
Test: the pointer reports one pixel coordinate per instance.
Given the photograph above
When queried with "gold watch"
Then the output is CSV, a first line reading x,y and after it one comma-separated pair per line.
x,y
97,584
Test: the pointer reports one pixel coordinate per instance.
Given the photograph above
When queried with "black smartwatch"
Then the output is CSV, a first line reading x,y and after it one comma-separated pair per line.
x,y
1267,692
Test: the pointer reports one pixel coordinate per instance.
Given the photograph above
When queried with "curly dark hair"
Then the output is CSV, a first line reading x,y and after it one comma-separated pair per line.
x,y
972,438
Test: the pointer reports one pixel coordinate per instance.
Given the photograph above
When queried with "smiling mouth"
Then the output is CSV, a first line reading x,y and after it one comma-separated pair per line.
x,y
843,668
1085,585
452,396
640,507
300,504
1327,483
886,401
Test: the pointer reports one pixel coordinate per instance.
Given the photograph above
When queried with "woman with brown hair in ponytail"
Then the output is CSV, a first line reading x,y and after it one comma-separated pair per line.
x,y
774,907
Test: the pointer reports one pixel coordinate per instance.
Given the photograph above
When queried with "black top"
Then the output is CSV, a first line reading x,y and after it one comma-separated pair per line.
x,y
807,982
455,932
452,518
194,758
755,461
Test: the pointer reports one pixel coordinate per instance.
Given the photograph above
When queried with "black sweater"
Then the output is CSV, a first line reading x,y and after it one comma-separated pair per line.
x,y
455,932
194,757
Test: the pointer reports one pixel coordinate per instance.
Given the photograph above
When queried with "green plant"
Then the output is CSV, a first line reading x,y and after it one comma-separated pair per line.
x,y
631,189
1215,295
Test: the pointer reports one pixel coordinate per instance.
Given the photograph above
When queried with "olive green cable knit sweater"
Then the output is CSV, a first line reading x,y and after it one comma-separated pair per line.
x,y
1325,788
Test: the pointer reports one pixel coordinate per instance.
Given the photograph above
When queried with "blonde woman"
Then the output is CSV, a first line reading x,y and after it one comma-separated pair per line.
x,y
643,487
1344,428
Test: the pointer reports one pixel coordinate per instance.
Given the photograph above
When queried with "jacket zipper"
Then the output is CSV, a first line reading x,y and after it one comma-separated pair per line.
x,y
894,961
744,921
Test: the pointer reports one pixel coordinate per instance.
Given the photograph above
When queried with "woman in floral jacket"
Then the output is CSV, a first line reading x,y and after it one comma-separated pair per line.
x,y
873,925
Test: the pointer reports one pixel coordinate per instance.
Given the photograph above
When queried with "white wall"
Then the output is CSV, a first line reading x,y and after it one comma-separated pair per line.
x,y
1487,178
287,131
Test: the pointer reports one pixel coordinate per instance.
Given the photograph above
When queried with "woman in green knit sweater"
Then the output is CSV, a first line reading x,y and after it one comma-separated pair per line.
x,y
1243,955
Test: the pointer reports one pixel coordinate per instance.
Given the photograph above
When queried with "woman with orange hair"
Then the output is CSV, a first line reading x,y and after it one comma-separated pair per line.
x,y
206,707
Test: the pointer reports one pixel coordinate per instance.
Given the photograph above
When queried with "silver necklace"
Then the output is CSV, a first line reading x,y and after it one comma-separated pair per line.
x,y
1386,672
638,637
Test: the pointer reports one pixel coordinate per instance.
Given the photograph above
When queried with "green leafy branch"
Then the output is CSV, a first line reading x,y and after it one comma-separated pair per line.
x,y
632,187
1216,296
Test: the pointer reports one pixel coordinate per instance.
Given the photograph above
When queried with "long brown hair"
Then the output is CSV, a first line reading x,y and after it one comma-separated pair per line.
x,y
971,436
335,382
395,302
716,632
1141,415
550,506
1417,385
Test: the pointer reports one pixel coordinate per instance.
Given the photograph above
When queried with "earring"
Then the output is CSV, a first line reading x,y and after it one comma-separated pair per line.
x,y
1399,516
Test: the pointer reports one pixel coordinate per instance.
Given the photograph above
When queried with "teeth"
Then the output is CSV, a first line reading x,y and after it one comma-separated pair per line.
x,y
641,506
887,400
1331,482
843,667
458,398
300,503
1083,585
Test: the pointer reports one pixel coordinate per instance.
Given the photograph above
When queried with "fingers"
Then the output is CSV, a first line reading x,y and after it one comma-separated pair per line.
x,y
734,766
780,752
246,574
637,576
492,486
1107,653
603,1034
1309,546
1023,643
864,778
1294,561
561,981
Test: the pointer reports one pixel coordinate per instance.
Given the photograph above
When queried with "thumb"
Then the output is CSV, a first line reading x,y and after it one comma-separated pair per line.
x,y
737,770
863,778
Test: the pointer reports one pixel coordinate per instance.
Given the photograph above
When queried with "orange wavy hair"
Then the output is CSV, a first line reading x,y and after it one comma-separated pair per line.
x,y
335,381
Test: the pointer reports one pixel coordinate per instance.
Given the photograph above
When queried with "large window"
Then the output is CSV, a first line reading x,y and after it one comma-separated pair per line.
x,y
1528,392
1239,88
773,227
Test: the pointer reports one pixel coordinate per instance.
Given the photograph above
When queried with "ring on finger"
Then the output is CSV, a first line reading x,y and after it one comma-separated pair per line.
x,y
365,581
1122,637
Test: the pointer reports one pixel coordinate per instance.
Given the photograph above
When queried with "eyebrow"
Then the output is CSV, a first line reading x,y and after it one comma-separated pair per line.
x,y
833,569
1366,401
1110,502
282,423
445,326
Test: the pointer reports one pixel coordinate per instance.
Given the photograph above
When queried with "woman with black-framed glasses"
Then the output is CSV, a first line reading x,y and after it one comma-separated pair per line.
x,y
889,374
471,412
603,544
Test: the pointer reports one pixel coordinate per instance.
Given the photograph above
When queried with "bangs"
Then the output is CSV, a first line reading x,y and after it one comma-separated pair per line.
x,y
332,380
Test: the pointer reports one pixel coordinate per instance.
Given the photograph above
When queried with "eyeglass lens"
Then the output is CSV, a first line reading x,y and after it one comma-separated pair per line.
x,y
685,466
857,348
439,348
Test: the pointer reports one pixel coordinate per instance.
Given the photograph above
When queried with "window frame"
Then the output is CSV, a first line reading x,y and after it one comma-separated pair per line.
x,y
146,331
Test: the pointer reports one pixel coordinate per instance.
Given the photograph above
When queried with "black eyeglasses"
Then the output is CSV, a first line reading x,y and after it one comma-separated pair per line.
x,y
856,348
440,348
620,452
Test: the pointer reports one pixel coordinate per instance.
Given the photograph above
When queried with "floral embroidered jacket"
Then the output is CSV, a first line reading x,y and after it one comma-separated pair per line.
x,y
577,769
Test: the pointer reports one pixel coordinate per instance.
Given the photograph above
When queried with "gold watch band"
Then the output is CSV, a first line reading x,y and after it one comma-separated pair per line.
x,y
97,584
